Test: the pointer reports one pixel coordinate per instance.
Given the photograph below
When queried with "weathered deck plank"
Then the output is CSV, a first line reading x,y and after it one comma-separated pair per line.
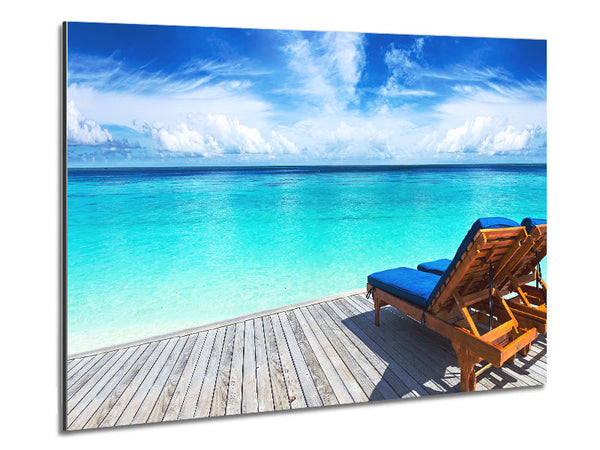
x,y
110,398
344,314
309,389
143,412
81,377
263,382
292,382
347,377
176,399
219,403
162,402
190,400
234,396
210,377
72,365
130,413
101,383
87,382
249,386
111,418
407,347
377,359
106,398
348,355
414,347
317,375
367,360
82,368
318,353
281,399
329,371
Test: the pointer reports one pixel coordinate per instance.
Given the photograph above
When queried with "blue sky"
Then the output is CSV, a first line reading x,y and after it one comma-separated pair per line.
x,y
142,95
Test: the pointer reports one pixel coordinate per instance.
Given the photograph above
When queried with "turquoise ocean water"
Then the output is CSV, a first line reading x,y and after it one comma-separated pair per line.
x,y
156,250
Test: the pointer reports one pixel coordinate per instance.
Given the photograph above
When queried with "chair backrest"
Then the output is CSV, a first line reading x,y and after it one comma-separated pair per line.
x,y
493,239
513,250
530,223
536,245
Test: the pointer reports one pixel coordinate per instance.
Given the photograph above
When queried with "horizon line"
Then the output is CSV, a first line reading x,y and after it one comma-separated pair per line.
x,y
309,165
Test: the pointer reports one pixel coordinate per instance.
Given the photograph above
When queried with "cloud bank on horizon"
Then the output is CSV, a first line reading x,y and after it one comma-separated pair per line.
x,y
161,95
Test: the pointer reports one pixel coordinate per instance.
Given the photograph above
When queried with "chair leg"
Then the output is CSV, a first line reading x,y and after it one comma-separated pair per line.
x,y
512,359
525,350
377,304
466,362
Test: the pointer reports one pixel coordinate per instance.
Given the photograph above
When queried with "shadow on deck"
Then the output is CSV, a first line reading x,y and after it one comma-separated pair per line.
x,y
424,361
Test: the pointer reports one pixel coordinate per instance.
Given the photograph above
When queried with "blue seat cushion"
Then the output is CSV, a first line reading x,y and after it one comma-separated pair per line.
x,y
480,224
408,284
529,223
437,267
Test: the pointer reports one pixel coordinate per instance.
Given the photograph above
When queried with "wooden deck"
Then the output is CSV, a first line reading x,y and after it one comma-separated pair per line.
x,y
320,353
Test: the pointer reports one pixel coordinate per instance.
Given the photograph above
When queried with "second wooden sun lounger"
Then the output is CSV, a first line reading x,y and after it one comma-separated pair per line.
x,y
465,304
529,303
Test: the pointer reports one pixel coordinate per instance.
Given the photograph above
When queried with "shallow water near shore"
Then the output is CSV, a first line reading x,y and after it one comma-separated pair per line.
x,y
152,251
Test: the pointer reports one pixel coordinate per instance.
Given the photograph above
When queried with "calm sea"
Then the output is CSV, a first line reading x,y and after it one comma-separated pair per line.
x,y
156,250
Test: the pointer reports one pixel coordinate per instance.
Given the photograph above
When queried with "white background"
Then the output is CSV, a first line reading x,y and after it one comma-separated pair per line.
x,y
562,413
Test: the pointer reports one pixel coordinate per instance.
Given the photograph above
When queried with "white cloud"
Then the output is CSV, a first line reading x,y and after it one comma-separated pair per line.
x,y
407,68
346,52
400,60
216,135
180,139
520,108
485,135
111,73
385,135
418,46
328,69
314,80
397,91
510,138
122,108
403,68
82,131
280,144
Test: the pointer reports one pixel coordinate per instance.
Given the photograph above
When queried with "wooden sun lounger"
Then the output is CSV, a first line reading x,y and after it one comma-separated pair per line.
x,y
459,309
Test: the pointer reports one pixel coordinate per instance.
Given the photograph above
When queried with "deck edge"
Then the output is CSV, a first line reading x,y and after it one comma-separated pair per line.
x,y
209,326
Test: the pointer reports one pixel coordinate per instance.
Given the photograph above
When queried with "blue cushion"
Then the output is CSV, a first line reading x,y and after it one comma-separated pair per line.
x,y
408,284
529,223
480,224
437,267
